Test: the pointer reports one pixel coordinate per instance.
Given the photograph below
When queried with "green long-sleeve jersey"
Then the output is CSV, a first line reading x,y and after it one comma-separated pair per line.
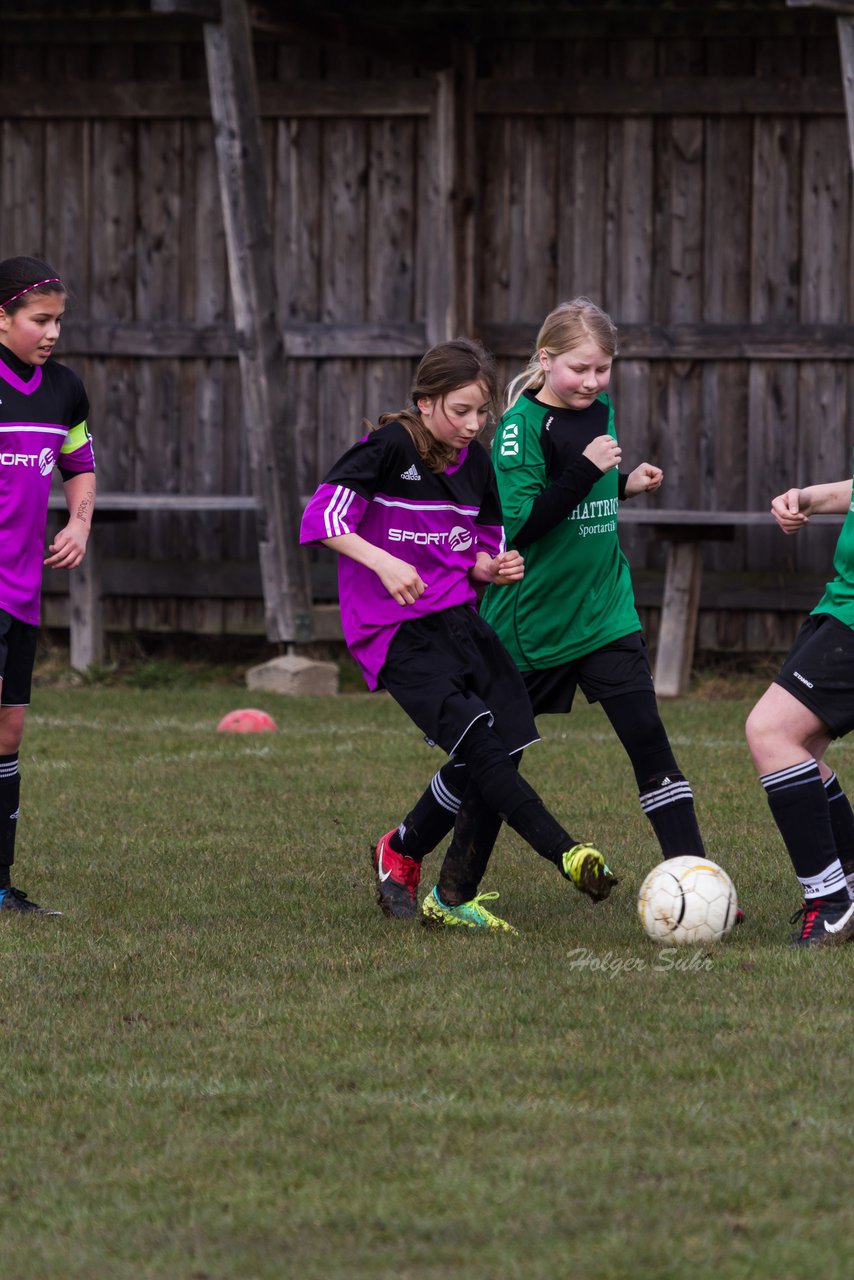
x,y
838,598
560,511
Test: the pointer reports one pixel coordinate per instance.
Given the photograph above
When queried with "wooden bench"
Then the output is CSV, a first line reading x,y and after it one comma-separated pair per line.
x,y
685,532
86,624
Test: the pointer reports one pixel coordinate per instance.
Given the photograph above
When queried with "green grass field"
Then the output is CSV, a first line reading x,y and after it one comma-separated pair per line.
x,y
224,1063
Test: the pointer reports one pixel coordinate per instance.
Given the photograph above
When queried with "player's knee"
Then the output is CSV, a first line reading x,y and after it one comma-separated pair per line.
x,y
11,729
763,733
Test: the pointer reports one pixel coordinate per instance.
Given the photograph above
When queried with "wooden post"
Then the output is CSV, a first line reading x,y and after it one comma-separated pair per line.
x,y
845,31
678,628
86,626
271,436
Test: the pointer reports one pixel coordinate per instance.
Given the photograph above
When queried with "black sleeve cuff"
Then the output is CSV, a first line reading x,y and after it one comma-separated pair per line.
x,y
558,501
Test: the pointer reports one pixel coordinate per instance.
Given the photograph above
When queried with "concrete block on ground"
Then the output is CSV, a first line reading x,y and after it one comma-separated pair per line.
x,y
294,675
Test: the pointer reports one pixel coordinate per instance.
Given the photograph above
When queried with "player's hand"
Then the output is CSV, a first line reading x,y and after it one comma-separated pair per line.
x,y
788,510
401,580
604,453
506,568
644,479
68,547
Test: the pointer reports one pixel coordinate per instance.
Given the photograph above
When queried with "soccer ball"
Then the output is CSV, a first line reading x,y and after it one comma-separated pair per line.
x,y
686,900
247,720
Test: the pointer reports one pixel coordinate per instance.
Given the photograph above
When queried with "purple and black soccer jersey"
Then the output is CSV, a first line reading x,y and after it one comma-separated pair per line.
x,y
382,490
43,411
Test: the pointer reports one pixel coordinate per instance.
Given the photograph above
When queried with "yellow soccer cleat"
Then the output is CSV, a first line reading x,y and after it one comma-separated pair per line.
x,y
468,915
588,871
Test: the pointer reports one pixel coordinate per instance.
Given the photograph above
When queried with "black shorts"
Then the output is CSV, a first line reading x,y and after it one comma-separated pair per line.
x,y
819,671
448,670
17,658
619,667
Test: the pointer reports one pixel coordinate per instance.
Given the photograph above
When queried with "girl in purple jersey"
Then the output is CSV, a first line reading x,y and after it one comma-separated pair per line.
x,y
412,509
43,412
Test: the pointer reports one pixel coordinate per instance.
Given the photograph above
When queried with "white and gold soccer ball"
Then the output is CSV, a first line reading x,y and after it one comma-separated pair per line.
x,y
685,901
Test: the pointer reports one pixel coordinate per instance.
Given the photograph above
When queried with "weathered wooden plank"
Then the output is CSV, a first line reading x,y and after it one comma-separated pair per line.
x,y
440,315
21,189
774,340
837,6
826,213
721,436
663,96
77,99
563,23
67,213
389,222
845,31
580,246
776,265
628,230
296,210
533,190
677,288
492,221
588,96
343,281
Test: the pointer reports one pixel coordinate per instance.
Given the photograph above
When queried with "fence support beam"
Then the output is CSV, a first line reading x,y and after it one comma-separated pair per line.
x,y
845,30
271,437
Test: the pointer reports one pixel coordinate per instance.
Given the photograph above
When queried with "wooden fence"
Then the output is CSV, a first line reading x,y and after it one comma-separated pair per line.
x,y
691,173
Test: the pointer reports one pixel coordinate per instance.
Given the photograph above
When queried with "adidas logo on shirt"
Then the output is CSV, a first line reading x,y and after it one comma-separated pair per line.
x,y
411,474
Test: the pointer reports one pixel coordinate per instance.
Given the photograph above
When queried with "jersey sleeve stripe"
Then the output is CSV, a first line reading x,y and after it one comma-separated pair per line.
x,y
334,517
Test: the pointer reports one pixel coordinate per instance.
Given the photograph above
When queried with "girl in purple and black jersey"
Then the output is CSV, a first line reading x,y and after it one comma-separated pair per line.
x,y
43,413
413,511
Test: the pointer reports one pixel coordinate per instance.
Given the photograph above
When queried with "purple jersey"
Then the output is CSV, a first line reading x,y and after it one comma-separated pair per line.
x,y
384,491
43,412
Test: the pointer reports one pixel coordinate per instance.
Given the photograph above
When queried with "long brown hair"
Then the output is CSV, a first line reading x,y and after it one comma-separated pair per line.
x,y
566,327
443,369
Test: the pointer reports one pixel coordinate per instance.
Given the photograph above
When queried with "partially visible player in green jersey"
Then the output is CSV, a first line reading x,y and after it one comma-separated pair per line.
x,y
810,703
572,621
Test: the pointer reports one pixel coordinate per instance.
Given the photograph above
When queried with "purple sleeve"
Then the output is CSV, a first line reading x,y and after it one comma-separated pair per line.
x,y
333,510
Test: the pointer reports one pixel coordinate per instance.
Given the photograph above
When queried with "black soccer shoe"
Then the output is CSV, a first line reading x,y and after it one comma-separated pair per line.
x,y
823,923
17,900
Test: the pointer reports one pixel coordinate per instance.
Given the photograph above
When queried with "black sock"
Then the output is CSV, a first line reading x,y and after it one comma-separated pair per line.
x,y
433,814
507,794
10,797
799,806
842,825
475,832
668,802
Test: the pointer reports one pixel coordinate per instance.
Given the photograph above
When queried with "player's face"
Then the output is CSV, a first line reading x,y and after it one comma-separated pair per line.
x,y
576,377
457,417
32,331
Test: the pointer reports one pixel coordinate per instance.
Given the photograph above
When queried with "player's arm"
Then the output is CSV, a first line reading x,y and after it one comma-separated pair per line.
x,y
793,508
69,546
401,580
645,478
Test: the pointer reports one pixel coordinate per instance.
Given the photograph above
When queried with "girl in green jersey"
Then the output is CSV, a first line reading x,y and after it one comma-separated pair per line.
x,y
572,621
810,703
